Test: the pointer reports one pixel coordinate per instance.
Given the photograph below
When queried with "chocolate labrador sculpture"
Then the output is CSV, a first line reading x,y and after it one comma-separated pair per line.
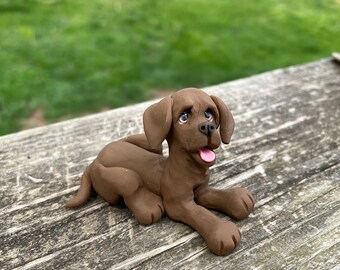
x,y
193,123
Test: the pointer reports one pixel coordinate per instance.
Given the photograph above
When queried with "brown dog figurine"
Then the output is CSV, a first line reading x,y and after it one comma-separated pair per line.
x,y
194,124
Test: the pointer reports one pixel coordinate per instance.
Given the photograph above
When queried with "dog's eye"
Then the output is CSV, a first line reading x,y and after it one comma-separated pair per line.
x,y
183,118
208,115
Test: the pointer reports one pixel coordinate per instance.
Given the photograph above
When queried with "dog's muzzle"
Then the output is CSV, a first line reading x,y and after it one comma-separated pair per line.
x,y
207,128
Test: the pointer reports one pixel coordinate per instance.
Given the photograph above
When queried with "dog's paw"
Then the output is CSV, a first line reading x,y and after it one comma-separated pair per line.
x,y
224,239
241,203
149,214
146,206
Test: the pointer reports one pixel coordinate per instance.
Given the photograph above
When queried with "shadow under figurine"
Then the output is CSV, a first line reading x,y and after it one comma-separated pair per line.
x,y
194,124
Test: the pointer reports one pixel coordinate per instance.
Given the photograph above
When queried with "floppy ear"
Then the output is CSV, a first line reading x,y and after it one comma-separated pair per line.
x,y
157,121
227,122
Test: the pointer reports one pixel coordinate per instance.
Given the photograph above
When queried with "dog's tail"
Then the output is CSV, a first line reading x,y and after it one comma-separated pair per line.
x,y
84,192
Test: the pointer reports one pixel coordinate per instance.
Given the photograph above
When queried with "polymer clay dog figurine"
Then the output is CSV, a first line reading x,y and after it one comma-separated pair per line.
x,y
194,124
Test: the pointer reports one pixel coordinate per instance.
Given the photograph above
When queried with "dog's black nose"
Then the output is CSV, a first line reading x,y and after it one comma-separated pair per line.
x,y
206,128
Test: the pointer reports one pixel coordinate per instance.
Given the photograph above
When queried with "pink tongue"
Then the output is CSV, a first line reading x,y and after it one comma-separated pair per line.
x,y
207,155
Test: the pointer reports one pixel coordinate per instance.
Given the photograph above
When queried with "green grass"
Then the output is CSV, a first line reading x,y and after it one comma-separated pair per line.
x,y
70,57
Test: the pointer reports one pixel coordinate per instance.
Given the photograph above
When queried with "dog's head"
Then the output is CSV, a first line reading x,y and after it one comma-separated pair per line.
x,y
190,120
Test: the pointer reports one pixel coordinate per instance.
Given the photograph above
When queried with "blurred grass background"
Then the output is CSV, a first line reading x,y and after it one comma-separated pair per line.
x,y
64,58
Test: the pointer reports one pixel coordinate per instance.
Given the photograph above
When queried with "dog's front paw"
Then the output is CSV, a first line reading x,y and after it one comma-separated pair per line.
x,y
224,239
241,203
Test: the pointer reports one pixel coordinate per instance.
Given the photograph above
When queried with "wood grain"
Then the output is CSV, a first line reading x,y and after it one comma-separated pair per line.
x,y
285,149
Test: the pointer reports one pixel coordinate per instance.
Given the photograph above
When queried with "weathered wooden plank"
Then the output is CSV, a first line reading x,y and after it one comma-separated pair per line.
x,y
285,149
96,211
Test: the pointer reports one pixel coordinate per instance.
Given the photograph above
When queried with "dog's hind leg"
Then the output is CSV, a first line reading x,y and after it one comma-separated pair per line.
x,y
114,182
